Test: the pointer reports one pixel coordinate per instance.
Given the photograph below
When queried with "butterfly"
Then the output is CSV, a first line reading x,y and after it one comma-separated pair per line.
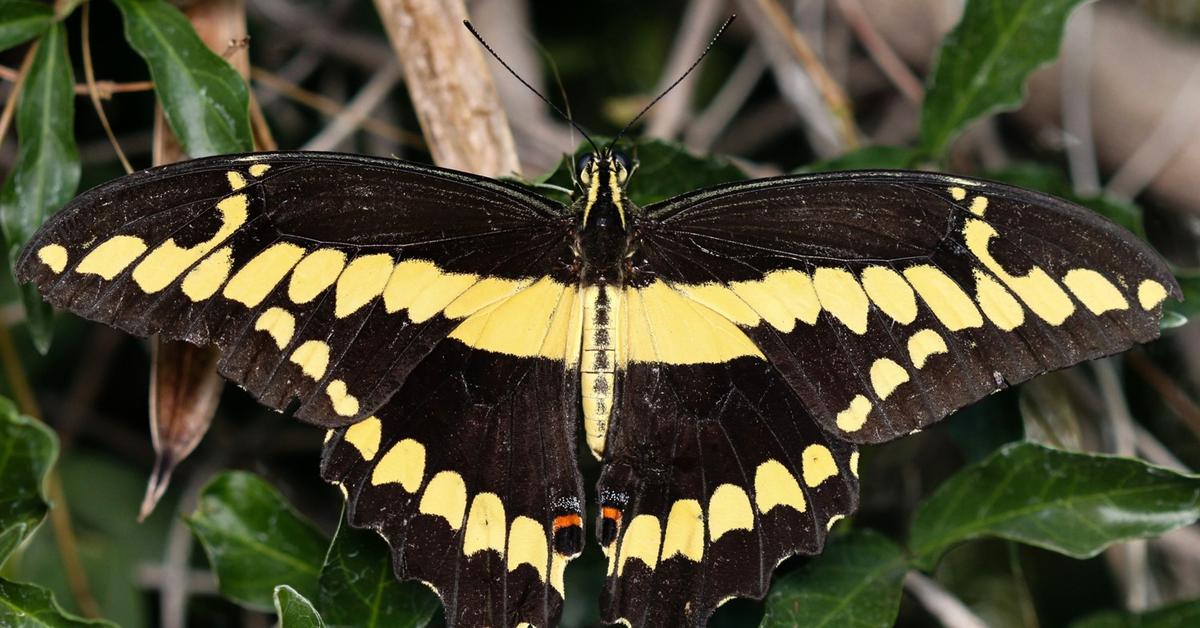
x,y
726,351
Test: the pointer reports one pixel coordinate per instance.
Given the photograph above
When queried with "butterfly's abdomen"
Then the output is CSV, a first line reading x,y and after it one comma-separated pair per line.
x,y
601,307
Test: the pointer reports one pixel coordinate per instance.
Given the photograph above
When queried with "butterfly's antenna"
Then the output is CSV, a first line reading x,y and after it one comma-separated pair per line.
x,y
679,80
513,72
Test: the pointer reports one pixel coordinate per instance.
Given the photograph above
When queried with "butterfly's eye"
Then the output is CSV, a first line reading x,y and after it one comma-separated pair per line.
x,y
620,166
583,169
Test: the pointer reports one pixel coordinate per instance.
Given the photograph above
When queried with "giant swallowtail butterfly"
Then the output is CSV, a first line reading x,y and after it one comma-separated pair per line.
x,y
726,350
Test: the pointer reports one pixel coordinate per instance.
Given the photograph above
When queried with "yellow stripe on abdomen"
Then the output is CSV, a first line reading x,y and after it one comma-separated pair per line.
x,y
598,363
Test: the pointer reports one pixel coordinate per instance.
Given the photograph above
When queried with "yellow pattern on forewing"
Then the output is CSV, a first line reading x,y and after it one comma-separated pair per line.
x,y
539,320
1036,289
842,296
890,293
254,281
209,275
667,327
112,256
316,272
1094,291
168,260
54,256
361,281
944,297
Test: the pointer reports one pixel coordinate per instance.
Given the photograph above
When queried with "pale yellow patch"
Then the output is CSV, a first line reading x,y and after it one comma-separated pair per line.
x,y
258,170
485,292
254,281
1036,289
420,287
767,303
855,415
979,205
279,323
833,521
564,336
404,463
775,486
923,344
445,496
724,301
1094,291
818,465
236,180
112,256
944,297
365,436
957,193
665,326
728,510
316,272
890,293
205,278
527,545
168,260
525,324
1000,307
1150,294
641,541
886,376
842,296
312,357
344,404
328,437
685,531
361,281
854,463
53,256
558,570
485,525
795,290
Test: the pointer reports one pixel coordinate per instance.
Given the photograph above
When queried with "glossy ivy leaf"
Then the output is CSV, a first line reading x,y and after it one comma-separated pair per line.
x,y
358,587
866,158
294,610
46,173
22,20
1072,503
27,450
983,63
664,169
205,100
855,582
1181,615
255,541
29,606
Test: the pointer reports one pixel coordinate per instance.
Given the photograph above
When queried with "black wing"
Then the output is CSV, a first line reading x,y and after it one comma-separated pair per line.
x,y
321,277
770,325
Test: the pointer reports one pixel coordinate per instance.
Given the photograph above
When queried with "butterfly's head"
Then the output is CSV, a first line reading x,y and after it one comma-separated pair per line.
x,y
602,175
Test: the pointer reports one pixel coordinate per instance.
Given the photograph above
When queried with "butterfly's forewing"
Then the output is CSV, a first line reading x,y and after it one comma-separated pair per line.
x,y
432,312
771,324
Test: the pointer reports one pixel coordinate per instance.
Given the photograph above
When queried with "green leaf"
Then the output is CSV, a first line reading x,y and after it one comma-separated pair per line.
x,y
855,582
664,169
255,540
294,610
1181,615
27,450
1176,313
1072,503
359,588
29,606
22,20
984,62
866,158
204,98
47,168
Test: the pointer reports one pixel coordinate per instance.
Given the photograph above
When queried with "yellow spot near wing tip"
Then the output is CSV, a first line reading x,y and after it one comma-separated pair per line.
x,y
365,436
685,531
979,205
997,304
728,510
258,277
890,293
841,295
258,170
445,497
209,275
924,344
775,486
855,415
486,525
236,180
54,256
1095,291
818,465
363,279
279,323
886,376
344,404
112,256
641,541
316,272
403,464
527,545
944,297
1150,294
957,193
312,357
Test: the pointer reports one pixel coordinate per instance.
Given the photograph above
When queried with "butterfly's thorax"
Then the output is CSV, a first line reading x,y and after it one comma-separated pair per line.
x,y
602,245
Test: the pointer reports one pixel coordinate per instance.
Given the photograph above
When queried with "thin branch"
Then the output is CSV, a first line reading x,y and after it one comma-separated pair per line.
x,y
881,51
706,127
90,74
106,89
332,108
700,18
10,105
1175,397
352,117
940,603
1175,130
1077,103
